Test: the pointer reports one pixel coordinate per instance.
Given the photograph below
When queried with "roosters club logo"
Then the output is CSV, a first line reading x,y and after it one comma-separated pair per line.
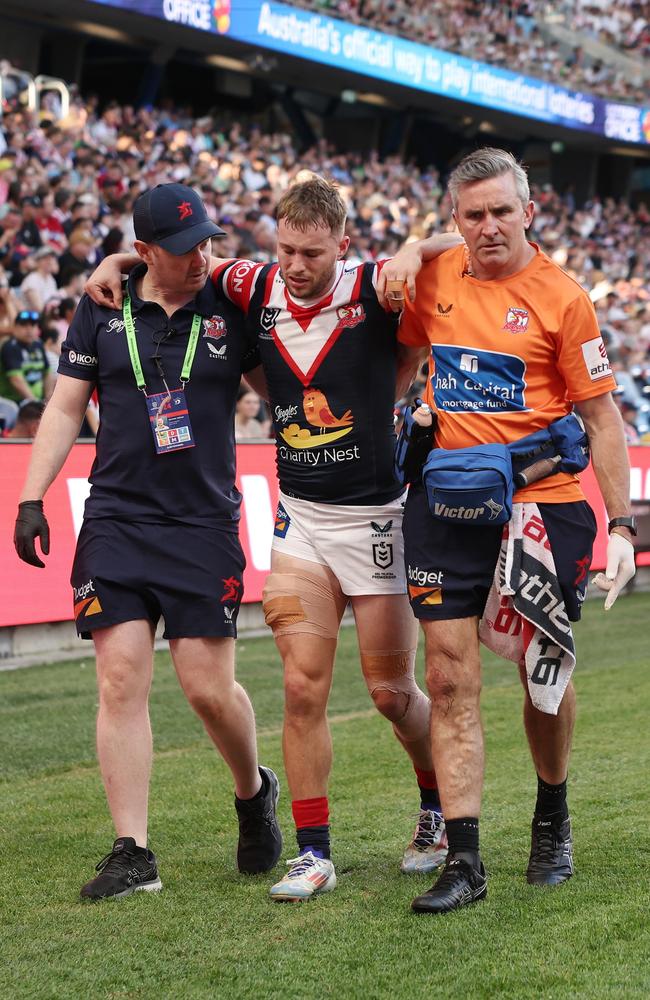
x,y
516,320
214,327
351,315
184,210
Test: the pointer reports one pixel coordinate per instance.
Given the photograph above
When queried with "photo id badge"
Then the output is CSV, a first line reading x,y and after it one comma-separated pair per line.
x,y
170,421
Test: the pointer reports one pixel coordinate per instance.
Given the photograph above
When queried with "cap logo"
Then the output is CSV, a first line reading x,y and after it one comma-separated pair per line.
x,y
184,210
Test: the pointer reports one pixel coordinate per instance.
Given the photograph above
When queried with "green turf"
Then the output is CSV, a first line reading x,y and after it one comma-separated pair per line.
x,y
213,933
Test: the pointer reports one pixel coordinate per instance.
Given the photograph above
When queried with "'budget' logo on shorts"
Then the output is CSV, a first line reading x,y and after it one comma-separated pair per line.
x,y
424,576
84,590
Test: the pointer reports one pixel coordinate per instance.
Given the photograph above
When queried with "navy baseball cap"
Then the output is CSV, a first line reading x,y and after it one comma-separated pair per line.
x,y
173,217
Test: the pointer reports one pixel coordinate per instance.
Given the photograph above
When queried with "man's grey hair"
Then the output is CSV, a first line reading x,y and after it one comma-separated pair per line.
x,y
486,163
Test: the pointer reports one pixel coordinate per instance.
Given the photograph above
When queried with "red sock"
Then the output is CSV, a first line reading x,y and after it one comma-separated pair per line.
x,y
426,779
310,812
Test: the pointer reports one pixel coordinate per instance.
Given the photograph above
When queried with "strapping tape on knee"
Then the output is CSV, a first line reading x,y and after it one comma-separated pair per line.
x,y
394,671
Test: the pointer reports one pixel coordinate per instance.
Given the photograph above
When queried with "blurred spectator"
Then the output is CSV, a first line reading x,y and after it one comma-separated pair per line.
x,y
24,369
9,307
52,344
28,418
29,235
629,413
40,285
112,242
79,258
250,421
8,414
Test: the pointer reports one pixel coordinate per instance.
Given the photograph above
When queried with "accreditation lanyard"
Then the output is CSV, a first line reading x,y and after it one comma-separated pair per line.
x,y
168,413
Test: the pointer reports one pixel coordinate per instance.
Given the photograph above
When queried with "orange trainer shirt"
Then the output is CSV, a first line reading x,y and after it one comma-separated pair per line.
x,y
507,356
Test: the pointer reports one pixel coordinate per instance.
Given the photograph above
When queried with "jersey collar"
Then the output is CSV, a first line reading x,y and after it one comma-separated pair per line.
x,y
202,303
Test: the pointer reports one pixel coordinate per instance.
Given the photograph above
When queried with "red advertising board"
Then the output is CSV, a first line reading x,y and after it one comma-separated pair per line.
x,y
29,595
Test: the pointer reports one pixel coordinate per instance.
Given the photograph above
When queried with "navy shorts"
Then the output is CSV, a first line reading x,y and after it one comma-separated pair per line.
x,y
450,567
190,575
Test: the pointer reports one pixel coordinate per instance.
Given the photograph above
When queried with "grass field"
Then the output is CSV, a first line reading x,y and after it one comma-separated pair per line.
x,y
213,933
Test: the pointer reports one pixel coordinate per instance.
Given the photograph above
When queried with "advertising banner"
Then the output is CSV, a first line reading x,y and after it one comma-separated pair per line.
x,y
29,595
334,42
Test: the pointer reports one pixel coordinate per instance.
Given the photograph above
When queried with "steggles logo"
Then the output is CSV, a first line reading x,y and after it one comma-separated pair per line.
x,y
184,210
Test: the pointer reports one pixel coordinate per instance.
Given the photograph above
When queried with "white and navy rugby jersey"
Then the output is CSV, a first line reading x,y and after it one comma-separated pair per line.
x,y
330,369
129,481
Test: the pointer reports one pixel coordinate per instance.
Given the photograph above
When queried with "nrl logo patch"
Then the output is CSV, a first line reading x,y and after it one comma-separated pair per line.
x,y
268,318
382,554
214,327
516,320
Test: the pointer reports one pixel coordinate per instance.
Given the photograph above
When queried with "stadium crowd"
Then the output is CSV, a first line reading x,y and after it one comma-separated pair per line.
x,y
507,33
66,196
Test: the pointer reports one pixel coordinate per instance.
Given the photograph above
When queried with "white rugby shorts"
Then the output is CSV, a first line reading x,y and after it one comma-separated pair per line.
x,y
362,546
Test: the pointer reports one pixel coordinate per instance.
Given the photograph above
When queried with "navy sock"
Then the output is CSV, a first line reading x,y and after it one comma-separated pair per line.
x,y
429,798
315,839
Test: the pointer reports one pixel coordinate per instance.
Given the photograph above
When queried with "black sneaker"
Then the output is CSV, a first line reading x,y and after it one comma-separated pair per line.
x,y
551,850
260,838
458,885
126,869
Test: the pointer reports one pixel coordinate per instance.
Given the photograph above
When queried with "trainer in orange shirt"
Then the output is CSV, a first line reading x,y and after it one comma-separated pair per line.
x,y
513,343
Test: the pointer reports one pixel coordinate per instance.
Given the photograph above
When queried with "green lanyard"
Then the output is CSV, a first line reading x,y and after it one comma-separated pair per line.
x,y
133,347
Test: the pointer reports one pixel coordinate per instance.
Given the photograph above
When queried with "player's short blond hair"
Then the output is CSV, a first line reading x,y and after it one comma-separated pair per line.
x,y
483,164
313,202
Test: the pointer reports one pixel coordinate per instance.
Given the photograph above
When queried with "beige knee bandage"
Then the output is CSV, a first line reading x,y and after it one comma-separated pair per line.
x,y
296,603
394,670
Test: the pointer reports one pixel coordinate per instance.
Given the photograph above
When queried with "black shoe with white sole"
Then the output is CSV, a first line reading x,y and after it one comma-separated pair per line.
x,y
128,868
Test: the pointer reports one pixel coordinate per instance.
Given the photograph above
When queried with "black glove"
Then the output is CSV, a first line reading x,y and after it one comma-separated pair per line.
x,y
31,524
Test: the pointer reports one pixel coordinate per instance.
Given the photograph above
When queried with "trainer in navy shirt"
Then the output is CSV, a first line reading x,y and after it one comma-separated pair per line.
x,y
129,480
159,537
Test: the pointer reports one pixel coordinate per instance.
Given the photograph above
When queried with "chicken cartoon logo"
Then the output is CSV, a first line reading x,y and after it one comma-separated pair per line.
x,y
319,414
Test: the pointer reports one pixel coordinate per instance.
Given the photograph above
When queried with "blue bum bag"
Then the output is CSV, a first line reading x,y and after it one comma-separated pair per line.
x,y
476,485
472,485
565,437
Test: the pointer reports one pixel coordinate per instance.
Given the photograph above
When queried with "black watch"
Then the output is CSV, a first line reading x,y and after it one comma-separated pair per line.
x,y
622,522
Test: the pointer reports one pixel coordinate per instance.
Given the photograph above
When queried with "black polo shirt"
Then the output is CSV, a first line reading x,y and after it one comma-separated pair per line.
x,y
128,480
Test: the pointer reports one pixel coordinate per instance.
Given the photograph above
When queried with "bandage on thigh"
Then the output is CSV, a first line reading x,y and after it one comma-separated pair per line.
x,y
297,603
394,670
